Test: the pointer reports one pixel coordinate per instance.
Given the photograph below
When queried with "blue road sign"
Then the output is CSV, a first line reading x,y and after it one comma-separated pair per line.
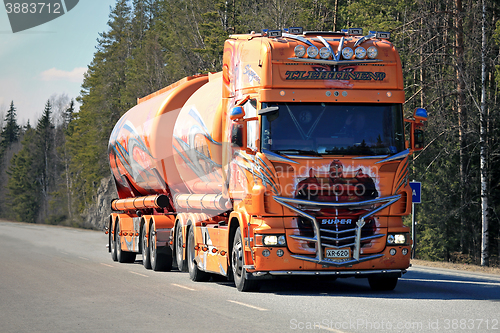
x,y
416,191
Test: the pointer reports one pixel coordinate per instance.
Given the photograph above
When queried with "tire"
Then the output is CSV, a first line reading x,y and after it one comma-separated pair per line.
x,y
146,256
112,241
195,273
160,257
123,257
237,262
382,283
181,263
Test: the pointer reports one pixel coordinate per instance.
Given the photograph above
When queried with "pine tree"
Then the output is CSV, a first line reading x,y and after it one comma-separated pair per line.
x,y
10,132
44,157
23,185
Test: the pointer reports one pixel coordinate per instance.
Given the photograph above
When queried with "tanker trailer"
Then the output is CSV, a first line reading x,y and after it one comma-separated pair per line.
x,y
142,165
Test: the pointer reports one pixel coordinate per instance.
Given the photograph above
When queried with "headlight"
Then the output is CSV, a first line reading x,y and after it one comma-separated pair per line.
x,y
324,53
312,51
372,52
270,240
360,52
300,51
396,239
347,53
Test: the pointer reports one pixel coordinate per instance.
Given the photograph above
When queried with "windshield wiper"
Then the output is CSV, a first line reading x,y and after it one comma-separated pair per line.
x,y
297,151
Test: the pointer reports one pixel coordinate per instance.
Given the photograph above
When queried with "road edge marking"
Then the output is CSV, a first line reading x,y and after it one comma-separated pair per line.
x,y
248,305
139,274
183,287
453,281
107,265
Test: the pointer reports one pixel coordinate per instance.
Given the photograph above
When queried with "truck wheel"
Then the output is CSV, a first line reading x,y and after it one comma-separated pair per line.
x,y
382,283
237,262
194,272
112,241
181,263
160,257
146,257
123,257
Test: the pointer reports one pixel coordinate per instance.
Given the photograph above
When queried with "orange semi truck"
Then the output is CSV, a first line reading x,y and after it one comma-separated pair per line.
x,y
291,161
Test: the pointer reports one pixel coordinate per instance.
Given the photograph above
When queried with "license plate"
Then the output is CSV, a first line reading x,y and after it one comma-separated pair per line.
x,y
338,254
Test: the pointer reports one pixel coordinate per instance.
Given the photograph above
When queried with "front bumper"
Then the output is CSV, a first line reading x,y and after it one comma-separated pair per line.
x,y
341,274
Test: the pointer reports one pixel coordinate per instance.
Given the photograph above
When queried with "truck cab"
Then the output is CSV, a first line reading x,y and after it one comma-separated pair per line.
x,y
318,125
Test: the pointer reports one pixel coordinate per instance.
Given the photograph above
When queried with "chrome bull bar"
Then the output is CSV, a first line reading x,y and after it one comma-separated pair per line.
x,y
318,232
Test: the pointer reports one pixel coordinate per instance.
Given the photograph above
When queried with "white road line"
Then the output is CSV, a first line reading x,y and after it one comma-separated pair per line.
x,y
248,305
83,258
184,287
107,265
455,281
138,274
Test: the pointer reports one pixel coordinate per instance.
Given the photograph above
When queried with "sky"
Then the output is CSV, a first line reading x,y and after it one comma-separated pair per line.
x,y
49,59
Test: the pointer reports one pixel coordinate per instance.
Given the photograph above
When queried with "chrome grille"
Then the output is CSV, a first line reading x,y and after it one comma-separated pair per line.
x,y
323,237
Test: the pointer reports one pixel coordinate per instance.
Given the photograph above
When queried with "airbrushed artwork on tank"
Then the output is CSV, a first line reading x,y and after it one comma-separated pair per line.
x,y
196,154
129,149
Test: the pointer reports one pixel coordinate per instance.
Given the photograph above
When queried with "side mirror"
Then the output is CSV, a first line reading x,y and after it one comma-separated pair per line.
x,y
417,133
238,134
418,139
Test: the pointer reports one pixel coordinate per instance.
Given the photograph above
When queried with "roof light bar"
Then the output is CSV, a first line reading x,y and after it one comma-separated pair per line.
x,y
383,35
354,31
274,33
296,30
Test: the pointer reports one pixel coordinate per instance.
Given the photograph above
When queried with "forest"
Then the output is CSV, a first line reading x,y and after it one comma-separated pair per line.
x,y
450,49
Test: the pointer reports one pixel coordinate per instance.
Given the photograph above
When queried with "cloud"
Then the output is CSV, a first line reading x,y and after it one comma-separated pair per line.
x,y
54,74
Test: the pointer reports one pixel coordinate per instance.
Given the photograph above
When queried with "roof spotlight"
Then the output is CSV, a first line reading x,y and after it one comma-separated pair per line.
x,y
372,52
324,53
360,52
300,51
347,53
312,51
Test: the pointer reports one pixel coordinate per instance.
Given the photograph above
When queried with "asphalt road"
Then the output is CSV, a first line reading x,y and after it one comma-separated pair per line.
x,y
55,279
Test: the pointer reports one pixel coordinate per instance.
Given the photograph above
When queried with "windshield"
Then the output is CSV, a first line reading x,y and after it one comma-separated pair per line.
x,y
333,129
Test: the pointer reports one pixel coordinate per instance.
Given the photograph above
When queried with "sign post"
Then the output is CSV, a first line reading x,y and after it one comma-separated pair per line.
x,y
416,191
